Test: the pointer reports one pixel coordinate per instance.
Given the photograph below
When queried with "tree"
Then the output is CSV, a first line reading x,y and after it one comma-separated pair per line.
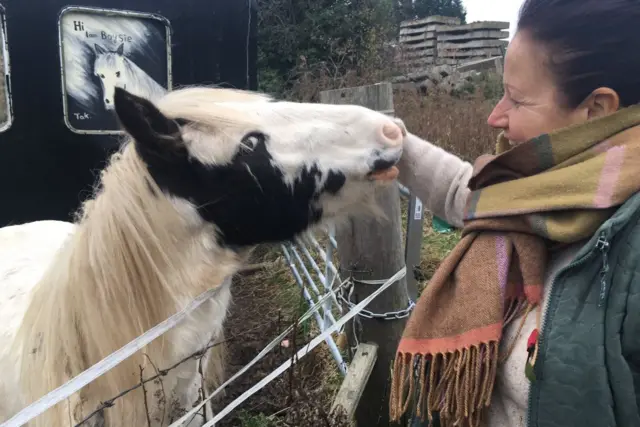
x,y
342,33
424,8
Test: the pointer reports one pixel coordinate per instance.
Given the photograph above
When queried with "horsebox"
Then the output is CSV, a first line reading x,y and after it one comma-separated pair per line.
x,y
61,63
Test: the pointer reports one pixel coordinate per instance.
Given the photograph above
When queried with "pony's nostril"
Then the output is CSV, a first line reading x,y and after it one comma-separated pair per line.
x,y
392,133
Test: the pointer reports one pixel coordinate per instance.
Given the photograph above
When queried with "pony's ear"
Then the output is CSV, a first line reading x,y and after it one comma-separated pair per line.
x,y
120,50
152,131
99,49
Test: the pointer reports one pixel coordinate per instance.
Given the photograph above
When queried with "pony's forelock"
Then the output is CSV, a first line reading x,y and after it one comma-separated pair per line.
x,y
205,106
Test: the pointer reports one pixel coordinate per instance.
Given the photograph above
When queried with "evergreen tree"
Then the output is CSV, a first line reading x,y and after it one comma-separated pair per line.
x,y
424,8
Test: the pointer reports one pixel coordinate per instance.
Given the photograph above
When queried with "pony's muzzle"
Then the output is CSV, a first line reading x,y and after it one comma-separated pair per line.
x,y
391,134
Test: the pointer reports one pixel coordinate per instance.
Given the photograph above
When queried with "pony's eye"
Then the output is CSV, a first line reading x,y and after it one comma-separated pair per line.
x,y
102,76
117,73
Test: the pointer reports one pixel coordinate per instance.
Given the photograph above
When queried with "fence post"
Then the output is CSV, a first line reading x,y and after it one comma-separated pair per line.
x,y
370,249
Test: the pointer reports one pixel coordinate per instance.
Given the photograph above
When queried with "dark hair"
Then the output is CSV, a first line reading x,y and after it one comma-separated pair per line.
x,y
591,44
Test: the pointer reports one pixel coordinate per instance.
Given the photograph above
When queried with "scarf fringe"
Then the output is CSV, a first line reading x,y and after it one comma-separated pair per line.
x,y
457,385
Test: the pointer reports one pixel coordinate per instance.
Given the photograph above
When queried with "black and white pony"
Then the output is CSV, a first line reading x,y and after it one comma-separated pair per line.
x,y
204,176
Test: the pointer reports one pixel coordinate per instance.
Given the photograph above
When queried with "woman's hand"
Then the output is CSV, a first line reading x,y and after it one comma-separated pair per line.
x,y
400,123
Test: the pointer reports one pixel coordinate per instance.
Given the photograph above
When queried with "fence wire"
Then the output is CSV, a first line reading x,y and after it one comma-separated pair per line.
x,y
315,273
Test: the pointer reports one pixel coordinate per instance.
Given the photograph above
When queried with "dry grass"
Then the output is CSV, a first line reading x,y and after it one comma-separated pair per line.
x,y
265,303
457,125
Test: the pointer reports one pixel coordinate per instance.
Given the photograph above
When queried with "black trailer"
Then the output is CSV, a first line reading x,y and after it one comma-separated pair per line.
x,y
61,62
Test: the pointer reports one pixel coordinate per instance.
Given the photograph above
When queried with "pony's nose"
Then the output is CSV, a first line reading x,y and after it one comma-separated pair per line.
x,y
391,134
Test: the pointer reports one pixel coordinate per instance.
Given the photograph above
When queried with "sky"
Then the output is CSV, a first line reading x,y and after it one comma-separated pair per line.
x,y
493,10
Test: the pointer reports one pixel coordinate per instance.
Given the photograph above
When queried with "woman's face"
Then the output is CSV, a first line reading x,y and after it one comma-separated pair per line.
x,y
532,102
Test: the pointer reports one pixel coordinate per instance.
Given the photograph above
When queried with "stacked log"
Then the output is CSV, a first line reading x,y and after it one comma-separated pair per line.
x,y
418,40
442,40
470,42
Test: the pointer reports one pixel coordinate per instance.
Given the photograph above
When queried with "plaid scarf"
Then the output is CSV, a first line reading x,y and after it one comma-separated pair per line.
x,y
555,189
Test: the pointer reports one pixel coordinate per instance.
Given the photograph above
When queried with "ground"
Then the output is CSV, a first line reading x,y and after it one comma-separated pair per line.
x,y
265,303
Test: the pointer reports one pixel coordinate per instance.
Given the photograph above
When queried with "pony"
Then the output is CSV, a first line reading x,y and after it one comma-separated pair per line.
x,y
202,177
114,69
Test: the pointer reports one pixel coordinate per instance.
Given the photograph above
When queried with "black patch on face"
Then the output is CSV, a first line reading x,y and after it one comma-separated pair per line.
x,y
247,199
334,182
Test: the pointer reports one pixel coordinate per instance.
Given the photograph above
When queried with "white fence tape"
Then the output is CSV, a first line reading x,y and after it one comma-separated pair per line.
x,y
300,354
64,391
106,364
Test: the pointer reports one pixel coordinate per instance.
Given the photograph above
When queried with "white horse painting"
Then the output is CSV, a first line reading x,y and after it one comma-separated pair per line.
x,y
87,37
114,69
204,175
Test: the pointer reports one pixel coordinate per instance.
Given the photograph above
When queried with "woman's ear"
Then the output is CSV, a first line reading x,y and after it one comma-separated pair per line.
x,y
602,102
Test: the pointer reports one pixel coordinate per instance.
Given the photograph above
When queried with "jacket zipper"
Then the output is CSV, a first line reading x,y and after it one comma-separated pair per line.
x,y
602,244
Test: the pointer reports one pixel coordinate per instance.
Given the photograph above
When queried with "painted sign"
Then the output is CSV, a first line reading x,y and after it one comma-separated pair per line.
x,y
102,49
6,110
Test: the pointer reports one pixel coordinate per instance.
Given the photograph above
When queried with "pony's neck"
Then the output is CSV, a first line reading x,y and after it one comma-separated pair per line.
x,y
141,251
133,261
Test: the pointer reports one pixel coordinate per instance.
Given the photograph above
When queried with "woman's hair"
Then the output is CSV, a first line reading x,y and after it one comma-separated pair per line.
x,y
591,44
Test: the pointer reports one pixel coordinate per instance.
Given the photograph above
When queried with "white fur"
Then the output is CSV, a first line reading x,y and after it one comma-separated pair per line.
x,y
51,272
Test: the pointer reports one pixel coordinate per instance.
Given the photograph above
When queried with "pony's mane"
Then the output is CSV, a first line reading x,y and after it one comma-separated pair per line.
x,y
125,269
203,105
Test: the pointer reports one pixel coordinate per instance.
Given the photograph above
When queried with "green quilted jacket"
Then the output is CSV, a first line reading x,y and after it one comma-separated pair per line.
x,y
588,366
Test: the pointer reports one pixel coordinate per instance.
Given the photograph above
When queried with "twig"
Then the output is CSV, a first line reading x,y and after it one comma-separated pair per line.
x,y
111,402
163,399
204,395
144,395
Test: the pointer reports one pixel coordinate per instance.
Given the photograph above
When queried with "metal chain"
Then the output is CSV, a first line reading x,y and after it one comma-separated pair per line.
x,y
392,315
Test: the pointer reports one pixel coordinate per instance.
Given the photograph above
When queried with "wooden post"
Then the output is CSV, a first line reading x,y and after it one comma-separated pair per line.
x,y
372,249
348,397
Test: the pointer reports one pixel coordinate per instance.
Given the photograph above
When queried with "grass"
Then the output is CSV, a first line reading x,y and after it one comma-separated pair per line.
x,y
435,247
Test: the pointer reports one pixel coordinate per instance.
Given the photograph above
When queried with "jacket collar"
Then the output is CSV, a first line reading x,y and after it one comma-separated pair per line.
x,y
626,213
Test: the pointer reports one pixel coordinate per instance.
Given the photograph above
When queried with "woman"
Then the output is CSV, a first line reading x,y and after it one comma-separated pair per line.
x,y
534,318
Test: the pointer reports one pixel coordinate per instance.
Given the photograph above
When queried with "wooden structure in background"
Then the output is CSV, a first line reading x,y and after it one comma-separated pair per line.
x,y
441,40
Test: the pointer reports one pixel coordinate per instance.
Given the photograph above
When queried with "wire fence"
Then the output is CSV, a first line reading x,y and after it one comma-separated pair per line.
x,y
313,268
313,290
315,275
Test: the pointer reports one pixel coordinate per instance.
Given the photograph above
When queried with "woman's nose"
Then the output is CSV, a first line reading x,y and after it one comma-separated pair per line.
x,y
498,117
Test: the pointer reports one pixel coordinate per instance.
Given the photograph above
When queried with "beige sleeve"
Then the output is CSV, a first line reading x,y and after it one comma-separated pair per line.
x,y
438,178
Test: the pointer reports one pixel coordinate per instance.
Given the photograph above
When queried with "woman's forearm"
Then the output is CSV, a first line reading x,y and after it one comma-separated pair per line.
x,y
438,178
